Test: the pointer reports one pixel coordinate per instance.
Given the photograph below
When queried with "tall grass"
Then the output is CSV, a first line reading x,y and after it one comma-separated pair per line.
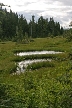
x,y
60,57
40,65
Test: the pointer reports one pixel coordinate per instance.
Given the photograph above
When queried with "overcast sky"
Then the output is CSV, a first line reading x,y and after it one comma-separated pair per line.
x,y
60,10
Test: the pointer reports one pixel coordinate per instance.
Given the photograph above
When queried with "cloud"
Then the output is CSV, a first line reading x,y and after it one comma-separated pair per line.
x,y
60,10
66,2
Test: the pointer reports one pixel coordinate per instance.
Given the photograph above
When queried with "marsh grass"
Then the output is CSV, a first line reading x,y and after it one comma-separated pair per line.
x,y
38,65
45,87
8,50
61,57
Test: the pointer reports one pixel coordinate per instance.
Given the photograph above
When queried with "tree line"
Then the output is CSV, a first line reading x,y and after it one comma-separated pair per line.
x,y
14,26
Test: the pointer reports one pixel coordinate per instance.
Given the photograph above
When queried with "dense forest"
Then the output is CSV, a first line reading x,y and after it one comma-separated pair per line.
x,y
14,26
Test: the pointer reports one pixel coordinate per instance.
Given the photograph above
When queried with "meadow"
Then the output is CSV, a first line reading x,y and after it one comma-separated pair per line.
x,y
43,85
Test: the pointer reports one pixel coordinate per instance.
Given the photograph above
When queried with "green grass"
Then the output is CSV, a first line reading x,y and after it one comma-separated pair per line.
x,y
40,65
47,85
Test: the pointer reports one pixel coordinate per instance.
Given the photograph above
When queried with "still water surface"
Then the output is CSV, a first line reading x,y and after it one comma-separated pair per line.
x,y
23,64
37,52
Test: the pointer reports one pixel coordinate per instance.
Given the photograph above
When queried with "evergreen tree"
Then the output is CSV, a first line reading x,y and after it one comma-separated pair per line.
x,y
14,26
61,30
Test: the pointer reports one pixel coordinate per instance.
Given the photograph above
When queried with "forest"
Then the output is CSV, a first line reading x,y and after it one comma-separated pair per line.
x,y
15,27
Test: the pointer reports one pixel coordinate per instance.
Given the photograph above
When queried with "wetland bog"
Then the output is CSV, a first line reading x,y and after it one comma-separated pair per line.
x,y
48,82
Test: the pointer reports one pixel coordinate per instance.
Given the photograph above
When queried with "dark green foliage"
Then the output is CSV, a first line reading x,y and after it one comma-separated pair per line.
x,y
61,30
68,35
13,69
38,91
14,27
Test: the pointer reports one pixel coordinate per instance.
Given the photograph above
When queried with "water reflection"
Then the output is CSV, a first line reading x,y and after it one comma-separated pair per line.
x,y
37,52
23,64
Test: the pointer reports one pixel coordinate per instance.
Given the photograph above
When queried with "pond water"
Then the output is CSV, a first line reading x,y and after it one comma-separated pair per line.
x,y
23,64
37,52
21,67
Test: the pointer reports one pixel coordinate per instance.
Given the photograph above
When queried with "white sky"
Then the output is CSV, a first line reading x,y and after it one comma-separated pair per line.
x,y
60,10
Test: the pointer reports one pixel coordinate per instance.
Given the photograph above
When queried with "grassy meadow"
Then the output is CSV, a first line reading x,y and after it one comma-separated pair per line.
x,y
43,85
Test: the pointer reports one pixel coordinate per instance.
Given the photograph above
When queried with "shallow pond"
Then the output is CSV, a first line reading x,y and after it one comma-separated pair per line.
x,y
23,64
21,67
37,52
